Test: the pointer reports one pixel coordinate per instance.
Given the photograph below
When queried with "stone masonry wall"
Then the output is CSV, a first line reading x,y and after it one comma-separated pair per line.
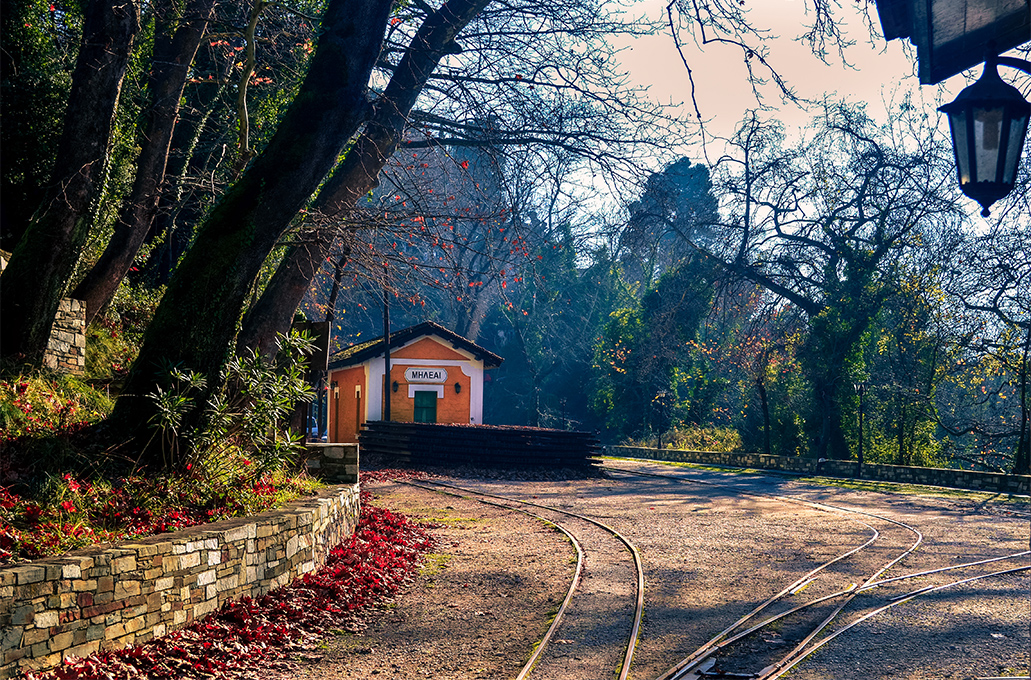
x,y
958,479
108,598
66,350
333,463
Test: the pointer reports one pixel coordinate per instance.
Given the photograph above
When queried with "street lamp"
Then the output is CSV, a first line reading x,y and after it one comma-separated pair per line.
x,y
988,122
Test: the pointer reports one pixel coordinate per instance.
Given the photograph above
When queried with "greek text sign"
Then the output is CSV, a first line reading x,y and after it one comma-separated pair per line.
x,y
426,375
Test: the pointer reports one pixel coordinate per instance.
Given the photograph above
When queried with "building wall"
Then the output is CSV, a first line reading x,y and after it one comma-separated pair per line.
x,y
462,406
348,409
452,406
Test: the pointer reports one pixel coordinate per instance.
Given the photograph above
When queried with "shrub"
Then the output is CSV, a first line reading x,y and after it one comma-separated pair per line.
x,y
245,418
694,438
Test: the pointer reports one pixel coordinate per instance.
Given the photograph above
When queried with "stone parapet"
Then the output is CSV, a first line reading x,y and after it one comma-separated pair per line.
x,y
956,479
333,463
110,597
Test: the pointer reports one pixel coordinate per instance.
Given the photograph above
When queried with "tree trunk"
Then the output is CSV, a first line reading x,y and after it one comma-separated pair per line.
x,y
196,322
1022,458
357,175
173,55
764,402
824,359
45,257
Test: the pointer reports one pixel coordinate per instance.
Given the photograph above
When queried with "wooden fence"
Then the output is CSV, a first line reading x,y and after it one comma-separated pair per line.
x,y
478,445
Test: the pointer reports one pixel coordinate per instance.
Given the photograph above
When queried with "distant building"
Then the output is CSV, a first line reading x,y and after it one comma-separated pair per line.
x,y
436,376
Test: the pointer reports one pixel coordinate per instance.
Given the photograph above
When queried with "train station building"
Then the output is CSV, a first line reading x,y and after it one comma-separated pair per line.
x,y
435,376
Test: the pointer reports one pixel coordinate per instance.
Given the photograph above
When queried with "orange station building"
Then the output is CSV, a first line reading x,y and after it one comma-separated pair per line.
x,y
436,376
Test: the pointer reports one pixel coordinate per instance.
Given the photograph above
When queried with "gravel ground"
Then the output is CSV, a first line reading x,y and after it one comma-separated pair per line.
x,y
480,605
711,553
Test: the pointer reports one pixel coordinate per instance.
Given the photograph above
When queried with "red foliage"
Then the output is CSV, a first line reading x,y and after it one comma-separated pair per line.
x,y
374,563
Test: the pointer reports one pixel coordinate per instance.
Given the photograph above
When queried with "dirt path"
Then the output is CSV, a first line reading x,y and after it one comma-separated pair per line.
x,y
479,607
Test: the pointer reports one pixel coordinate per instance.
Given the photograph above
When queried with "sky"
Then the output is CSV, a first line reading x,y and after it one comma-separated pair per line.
x,y
883,71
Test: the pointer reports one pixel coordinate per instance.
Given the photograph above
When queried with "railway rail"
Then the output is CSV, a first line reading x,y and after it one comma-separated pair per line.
x,y
728,655
538,661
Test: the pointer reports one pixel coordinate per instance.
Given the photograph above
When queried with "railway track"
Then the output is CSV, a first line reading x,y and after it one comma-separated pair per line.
x,y
594,614
829,600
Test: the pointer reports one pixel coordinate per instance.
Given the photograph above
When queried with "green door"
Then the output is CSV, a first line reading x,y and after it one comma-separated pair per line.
x,y
425,406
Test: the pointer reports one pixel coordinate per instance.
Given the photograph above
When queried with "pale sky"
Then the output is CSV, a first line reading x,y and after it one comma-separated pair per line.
x,y
883,71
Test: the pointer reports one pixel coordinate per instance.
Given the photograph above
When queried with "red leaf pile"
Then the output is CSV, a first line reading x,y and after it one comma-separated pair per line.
x,y
374,563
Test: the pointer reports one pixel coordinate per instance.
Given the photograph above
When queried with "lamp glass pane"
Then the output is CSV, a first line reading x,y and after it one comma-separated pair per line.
x,y
1018,128
987,139
961,144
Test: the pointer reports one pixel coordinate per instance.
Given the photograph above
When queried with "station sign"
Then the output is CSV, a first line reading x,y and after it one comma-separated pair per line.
x,y
426,375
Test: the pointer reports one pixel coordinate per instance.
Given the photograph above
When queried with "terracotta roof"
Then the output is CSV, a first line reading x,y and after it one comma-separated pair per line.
x,y
356,354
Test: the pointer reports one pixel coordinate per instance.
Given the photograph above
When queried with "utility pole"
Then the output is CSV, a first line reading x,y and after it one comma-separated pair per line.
x,y
860,390
386,353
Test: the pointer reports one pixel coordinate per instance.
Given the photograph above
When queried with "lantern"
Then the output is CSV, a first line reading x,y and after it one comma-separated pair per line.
x,y
988,122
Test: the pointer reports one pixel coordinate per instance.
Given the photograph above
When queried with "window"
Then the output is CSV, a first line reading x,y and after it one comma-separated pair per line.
x,y
425,406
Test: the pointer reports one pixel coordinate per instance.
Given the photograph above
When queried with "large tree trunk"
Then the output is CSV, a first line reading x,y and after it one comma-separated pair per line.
x,y
196,322
1022,457
357,175
764,403
45,257
824,357
173,55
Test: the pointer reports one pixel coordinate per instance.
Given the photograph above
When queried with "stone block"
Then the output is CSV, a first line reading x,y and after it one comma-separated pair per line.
x,y
245,531
34,636
135,624
46,619
206,577
205,608
125,589
114,631
61,642
189,560
123,564
23,615
82,650
29,574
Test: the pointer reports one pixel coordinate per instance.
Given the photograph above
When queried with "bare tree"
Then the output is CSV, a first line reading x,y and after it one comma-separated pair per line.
x,y
528,76
825,225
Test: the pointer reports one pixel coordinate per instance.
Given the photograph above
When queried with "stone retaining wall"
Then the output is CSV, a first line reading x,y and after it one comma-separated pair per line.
x,y
105,599
959,479
66,349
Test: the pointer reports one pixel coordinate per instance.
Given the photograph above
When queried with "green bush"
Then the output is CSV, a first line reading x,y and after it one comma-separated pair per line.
x,y
693,438
244,420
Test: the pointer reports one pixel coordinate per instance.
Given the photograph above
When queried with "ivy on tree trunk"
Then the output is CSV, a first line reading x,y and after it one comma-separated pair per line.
x,y
43,261
173,56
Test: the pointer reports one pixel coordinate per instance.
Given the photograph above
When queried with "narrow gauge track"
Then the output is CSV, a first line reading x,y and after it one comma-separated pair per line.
x,y
549,665
713,659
